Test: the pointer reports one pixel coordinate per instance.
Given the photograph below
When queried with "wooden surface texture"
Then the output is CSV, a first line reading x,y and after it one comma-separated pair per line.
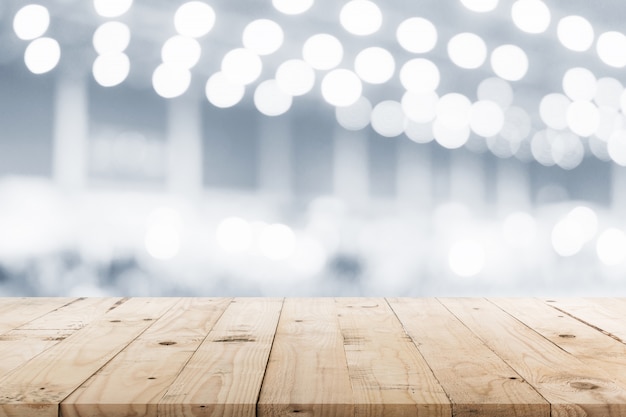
x,y
304,357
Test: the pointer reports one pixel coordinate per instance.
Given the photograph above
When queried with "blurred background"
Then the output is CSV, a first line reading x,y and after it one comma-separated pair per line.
x,y
312,147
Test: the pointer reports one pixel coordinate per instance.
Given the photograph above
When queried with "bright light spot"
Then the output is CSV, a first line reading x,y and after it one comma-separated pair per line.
x,y
531,16
111,70
610,121
194,19
309,257
622,100
361,17
295,77
583,118
575,33
598,148
181,51
170,81
31,21
111,38
162,239
270,99
611,48
567,150
486,118
611,247
420,75
519,229
517,125
341,87
42,55
541,148
112,8
322,51
509,62
579,84
480,6
419,132
277,241
553,110
417,35
388,119
374,65
292,6
234,235
355,116
608,92
587,220
263,36
497,90
567,237
242,66
617,147
223,93
467,50
450,138
466,258
453,110
420,107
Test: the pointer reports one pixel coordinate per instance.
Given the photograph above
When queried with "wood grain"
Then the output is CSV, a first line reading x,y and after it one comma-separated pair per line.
x,y
15,312
477,381
572,387
307,374
606,314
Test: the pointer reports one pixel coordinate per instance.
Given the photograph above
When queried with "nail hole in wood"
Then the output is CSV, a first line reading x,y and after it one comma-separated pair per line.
x,y
567,336
115,321
148,319
151,377
512,377
42,388
298,321
167,343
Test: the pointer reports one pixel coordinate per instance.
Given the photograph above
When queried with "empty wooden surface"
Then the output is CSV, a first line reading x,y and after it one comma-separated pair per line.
x,y
89,357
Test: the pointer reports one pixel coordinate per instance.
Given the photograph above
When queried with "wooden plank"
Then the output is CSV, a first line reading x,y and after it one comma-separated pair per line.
x,y
20,345
37,387
307,374
572,387
224,376
389,376
606,314
477,381
135,380
19,311
584,342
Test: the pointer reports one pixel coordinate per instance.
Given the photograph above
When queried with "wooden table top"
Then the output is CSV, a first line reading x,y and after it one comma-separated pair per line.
x,y
312,357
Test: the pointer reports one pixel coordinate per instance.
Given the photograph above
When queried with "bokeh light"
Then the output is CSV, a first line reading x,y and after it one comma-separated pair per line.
x,y
480,6
567,150
341,87
466,258
617,147
467,50
517,124
453,110
223,93
587,219
420,107
608,92
486,118
234,235
170,81
355,116
553,110
277,241
112,8
417,35
374,65
111,70
263,36
450,138
419,132
611,48
519,229
509,62
541,148
322,51
194,19
111,38
575,33
388,119
497,90
583,117
567,237
182,51
162,239
295,77
242,66
361,17
610,120
270,99
31,22
531,16
611,247
579,84
292,7
419,75
42,55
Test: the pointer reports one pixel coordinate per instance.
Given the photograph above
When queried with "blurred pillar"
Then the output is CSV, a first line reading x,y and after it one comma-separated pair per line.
x,y
71,130
275,158
512,186
350,165
413,175
466,179
184,173
618,189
